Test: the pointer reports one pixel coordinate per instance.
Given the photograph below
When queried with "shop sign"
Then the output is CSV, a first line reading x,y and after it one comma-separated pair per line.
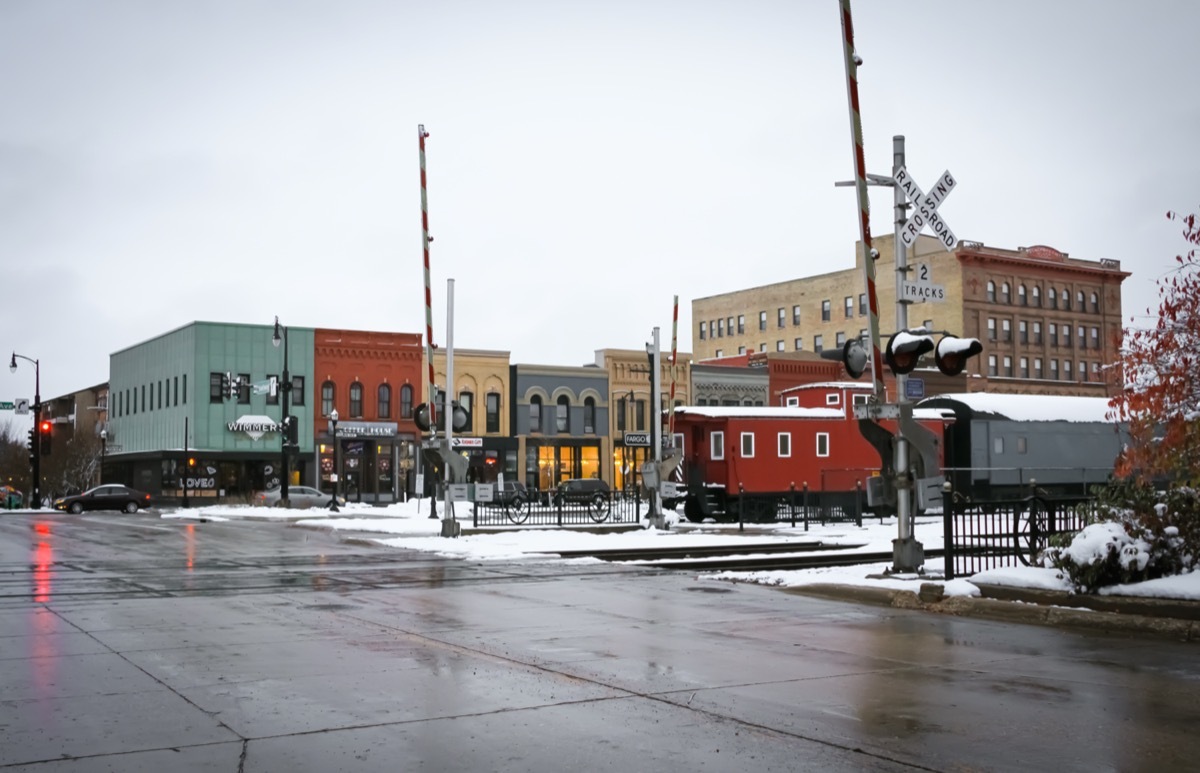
x,y
466,442
366,429
254,426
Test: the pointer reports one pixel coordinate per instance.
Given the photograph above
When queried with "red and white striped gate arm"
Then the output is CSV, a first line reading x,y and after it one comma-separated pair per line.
x,y
425,240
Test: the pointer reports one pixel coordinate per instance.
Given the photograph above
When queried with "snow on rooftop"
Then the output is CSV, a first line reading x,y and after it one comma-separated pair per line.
x,y
760,411
829,385
1032,407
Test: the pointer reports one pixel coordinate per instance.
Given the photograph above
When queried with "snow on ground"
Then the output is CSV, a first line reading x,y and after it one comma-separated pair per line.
x,y
408,525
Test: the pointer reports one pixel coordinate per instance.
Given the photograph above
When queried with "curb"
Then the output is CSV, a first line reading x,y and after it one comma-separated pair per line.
x,y
1023,612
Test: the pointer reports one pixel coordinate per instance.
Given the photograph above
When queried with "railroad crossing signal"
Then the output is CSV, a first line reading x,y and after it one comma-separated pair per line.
x,y
926,205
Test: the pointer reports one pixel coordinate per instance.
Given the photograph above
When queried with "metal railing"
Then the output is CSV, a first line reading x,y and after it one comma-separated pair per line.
x,y
983,535
614,508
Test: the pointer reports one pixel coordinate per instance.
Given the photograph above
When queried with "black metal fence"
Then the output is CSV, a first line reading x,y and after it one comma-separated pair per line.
x,y
993,534
612,509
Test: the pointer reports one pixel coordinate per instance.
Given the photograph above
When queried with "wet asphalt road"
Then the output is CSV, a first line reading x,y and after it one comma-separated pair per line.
x,y
129,643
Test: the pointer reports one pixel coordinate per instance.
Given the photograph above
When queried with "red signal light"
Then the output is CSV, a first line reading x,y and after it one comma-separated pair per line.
x,y
45,426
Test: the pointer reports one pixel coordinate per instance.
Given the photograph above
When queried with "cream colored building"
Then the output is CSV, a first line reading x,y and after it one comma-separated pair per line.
x,y
1049,323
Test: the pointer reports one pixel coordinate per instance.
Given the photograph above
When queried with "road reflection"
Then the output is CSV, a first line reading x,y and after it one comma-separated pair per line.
x,y
43,560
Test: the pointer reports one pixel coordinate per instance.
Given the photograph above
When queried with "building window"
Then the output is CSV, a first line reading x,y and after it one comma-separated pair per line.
x,y
1066,370
177,390
780,346
466,401
762,320
741,350
1005,295
623,408
1082,331
406,401
822,444
928,325
849,303
562,414
1066,336
720,328
1024,367
729,325
785,444
862,304
1079,300
991,291
185,389
716,448
795,315
1006,330
1053,334
762,347
826,309
799,342
991,325
703,330
356,394
1037,332
1054,370
1051,298
297,390
214,389
385,401
535,414
639,415
1083,376
840,338
720,353
747,445
1022,299
327,395
741,324
1095,303
781,316
1037,368
1037,296
818,344
589,416
1066,299
1023,331
1095,338
1008,371
493,412
992,365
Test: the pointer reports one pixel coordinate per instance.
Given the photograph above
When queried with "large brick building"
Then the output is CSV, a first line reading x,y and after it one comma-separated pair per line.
x,y
1049,323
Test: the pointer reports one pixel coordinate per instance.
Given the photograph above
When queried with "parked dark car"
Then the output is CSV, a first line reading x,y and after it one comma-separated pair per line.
x,y
593,492
107,497
512,494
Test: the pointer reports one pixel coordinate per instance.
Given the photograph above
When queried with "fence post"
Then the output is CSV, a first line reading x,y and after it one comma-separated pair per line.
x,y
948,528
858,503
806,505
792,503
741,506
475,515
560,508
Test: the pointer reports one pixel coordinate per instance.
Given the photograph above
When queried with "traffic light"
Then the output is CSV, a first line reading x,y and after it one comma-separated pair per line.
x,y
953,352
291,430
904,350
853,356
226,388
421,417
33,445
46,430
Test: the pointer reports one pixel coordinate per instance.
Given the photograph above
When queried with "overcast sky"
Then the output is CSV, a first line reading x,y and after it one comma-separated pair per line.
x,y
163,162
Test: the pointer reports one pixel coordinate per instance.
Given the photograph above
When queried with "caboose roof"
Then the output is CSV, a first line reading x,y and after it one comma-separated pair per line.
x,y
759,411
1025,407
827,385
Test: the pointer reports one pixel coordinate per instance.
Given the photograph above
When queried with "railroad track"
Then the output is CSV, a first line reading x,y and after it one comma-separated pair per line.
x,y
749,557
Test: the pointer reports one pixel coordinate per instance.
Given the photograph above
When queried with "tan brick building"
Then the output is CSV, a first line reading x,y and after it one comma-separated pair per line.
x,y
1049,323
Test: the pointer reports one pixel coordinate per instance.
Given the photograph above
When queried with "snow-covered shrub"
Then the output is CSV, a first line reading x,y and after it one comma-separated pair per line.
x,y
1139,534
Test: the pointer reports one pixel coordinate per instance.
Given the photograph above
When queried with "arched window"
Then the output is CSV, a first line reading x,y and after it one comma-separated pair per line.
x,y
1021,298
1079,301
589,416
1095,303
1005,295
385,401
563,414
1066,299
991,291
1037,296
1051,297
327,394
356,400
406,401
535,414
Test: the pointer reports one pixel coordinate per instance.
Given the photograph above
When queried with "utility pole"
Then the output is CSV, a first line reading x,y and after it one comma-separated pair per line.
x,y
656,515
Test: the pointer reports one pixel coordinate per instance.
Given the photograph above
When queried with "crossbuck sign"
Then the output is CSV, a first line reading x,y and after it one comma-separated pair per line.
x,y
926,205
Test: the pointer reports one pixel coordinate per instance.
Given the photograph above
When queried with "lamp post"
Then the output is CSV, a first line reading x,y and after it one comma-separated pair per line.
x,y
337,479
35,451
103,452
284,422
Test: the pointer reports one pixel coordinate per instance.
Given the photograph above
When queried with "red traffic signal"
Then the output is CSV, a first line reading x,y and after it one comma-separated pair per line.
x,y
46,426
953,352
905,349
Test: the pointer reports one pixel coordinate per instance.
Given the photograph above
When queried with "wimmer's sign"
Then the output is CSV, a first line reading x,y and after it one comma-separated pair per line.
x,y
254,426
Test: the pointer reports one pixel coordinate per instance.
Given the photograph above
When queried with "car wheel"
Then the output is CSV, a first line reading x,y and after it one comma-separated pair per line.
x,y
75,508
131,507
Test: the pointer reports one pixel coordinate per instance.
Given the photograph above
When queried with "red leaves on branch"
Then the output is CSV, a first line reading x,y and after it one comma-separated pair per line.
x,y
1159,365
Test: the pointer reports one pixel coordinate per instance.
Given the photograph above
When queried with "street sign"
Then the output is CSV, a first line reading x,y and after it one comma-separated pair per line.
x,y
640,439
922,288
914,388
6,406
21,406
926,206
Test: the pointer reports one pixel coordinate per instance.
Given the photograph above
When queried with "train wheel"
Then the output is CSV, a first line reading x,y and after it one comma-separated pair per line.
x,y
1033,531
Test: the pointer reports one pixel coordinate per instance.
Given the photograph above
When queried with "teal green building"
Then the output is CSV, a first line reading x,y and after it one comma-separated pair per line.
x,y
171,429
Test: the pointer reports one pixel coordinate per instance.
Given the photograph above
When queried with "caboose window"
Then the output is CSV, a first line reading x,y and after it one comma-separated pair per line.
x,y
747,445
785,444
717,445
998,445
793,402
822,444
832,399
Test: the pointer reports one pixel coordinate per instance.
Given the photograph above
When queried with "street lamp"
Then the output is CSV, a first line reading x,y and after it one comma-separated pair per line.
x,y
284,422
35,452
103,451
337,479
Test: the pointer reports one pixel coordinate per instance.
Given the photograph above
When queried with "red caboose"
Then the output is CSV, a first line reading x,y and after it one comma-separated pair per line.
x,y
744,461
